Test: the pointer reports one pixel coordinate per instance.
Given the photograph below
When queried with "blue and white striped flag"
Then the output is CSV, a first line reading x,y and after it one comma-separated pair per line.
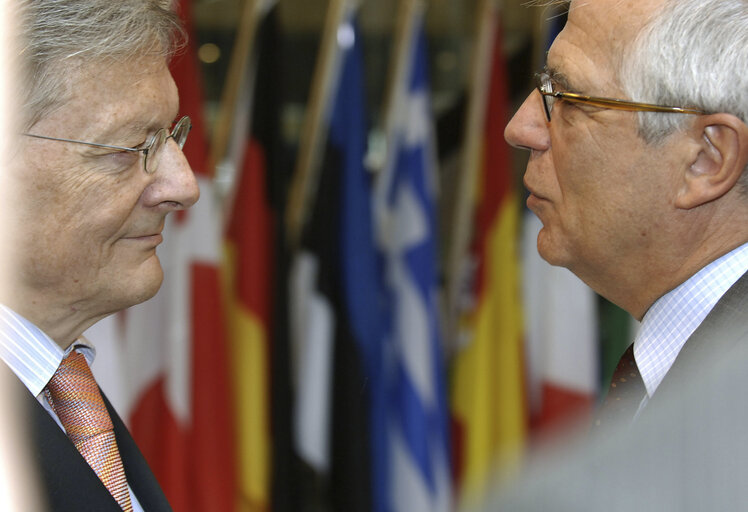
x,y
416,440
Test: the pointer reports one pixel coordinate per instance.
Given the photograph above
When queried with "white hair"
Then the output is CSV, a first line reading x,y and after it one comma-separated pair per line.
x,y
692,53
60,35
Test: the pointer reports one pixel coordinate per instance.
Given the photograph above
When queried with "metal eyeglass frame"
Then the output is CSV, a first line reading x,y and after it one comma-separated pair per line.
x,y
545,88
151,147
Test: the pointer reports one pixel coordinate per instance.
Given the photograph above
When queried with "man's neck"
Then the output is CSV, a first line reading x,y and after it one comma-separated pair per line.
x,y
638,284
63,325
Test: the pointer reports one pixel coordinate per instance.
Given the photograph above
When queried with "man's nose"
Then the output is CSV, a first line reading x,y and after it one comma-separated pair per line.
x,y
528,128
174,185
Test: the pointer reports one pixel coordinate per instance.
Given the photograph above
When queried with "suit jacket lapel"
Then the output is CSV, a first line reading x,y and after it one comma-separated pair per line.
x,y
139,474
65,476
721,335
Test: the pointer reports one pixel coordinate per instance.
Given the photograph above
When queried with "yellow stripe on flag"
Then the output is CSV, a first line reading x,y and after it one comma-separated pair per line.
x,y
250,363
488,386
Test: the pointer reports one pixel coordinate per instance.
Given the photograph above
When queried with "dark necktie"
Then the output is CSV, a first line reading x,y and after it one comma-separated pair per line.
x,y
625,393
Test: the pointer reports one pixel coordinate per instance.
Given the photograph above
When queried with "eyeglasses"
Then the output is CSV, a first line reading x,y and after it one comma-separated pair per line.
x,y
546,88
151,148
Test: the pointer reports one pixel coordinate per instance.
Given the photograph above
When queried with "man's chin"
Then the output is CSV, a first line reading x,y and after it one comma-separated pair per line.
x,y
146,284
150,292
550,250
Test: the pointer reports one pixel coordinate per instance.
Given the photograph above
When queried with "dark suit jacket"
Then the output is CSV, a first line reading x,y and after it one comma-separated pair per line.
x,y
68,481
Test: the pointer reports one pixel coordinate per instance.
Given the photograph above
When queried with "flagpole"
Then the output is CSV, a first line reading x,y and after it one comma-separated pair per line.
x,y
408,13
406,16
471,159
306,174
240,58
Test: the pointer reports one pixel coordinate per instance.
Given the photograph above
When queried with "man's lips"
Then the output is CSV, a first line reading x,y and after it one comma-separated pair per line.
x,y
533,193
154,238
533,202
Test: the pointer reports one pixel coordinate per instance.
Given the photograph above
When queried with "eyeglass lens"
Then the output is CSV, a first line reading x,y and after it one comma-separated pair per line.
x,y
546,86
179,134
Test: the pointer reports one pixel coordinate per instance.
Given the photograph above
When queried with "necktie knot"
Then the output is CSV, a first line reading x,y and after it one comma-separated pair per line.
x,y
76,400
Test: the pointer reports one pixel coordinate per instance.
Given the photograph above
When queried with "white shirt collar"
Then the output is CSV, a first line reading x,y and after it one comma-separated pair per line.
x,y
676,315
30,353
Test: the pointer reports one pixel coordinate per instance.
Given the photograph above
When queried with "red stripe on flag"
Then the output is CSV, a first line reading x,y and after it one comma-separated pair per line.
x,y
212,433
162,443
561,409
496,176
457,429
250,231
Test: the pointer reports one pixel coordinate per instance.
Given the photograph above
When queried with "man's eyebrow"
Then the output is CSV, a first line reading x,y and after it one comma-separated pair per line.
x,y
560,78
123,134
131,130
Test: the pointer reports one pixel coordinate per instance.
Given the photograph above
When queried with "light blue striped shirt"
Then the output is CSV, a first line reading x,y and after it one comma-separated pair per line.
x,y
34,357
676,315
30,353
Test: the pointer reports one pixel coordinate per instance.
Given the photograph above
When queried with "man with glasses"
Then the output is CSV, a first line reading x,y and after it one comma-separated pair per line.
x,y
95,169
638,171
638,152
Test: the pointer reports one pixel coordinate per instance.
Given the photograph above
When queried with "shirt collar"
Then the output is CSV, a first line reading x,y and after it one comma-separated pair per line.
x,y
675,316
30,353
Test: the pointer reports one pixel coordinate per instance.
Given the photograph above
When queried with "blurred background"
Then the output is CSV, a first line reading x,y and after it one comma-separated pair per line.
x,y
354,316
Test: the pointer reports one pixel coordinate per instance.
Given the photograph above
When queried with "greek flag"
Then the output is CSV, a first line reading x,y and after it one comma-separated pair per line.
x,y
415,447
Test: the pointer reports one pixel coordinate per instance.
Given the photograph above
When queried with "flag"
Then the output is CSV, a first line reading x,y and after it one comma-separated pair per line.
x,y
265,130
561,339
248,268
360,278
175,348
414,445
330,281
488,395
248,276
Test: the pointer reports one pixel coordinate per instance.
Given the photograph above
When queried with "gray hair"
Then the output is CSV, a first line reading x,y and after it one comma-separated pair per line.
x,y
60,35
692,53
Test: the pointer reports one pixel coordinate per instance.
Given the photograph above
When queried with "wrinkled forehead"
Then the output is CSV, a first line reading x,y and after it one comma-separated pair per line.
x,y
91,81
105,96
597,35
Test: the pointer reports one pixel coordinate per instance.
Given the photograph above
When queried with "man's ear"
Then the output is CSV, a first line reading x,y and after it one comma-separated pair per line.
x,y
721,158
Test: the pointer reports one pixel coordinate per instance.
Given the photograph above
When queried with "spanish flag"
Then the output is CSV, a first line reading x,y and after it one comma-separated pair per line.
x,y
488,398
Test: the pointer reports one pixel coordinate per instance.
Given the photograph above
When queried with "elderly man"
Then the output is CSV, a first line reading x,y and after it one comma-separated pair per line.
x,y
638,152
97,167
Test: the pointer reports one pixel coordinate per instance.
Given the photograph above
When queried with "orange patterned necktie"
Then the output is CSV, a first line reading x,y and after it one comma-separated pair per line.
x,y
76,400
